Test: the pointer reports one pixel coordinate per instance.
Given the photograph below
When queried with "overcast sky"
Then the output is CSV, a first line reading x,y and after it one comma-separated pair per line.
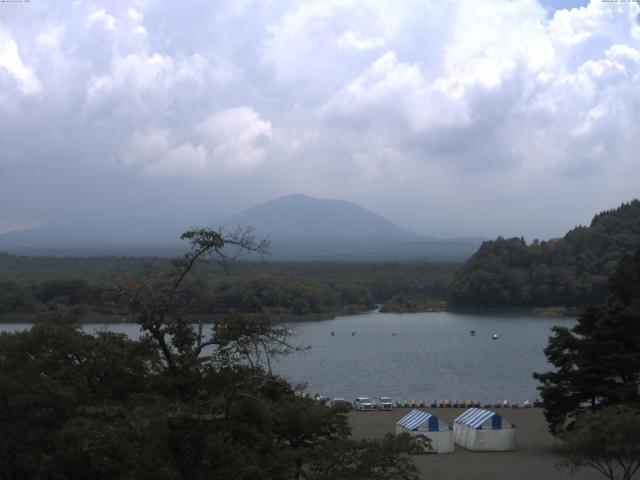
x,y
450,118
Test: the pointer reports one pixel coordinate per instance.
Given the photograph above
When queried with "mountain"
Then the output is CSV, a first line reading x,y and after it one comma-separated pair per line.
x,y
300,228
295,218
570,271
307,228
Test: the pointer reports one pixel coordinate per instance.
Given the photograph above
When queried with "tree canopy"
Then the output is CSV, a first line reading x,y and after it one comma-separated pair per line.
x,y
598,360
571,271
607,441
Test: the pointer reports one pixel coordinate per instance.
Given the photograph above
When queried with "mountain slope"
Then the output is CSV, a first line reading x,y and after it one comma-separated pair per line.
x,y
300,227
307,228
300,217
571,271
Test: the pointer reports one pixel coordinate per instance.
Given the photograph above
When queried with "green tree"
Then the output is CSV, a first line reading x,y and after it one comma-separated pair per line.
x,y
570,271
607,441
598,360
378,459
54,382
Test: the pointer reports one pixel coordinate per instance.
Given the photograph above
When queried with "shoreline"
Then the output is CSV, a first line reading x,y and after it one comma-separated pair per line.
x,y
108,319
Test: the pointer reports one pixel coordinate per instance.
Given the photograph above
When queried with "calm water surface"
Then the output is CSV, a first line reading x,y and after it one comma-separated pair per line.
x,y
431,355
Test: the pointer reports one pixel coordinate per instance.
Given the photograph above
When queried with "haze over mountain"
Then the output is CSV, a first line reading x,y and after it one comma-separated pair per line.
x,y
304,227
300,217
300,227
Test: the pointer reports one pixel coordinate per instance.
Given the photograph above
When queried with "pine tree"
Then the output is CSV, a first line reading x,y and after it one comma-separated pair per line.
x,y
598,360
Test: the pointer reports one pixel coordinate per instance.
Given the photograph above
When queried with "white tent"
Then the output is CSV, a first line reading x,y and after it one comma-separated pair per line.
x,y
422,423
481,430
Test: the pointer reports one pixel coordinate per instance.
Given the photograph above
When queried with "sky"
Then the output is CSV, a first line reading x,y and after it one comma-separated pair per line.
x,y
129,118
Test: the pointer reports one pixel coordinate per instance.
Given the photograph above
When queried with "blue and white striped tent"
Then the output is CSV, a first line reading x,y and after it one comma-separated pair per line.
x,y
422,423
481,430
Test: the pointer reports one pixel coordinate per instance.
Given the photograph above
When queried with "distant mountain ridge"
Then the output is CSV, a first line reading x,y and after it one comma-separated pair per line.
x,y
307,228
300,227
303,218
571,271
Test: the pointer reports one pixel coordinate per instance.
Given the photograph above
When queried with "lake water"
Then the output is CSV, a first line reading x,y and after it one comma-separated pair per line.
x,y
418,356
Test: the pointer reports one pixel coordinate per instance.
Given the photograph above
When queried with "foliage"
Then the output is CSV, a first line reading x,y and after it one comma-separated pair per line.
x,y
57,381
412,303
279,297
341,461
180,403
598,360
571,271
282,290
608,441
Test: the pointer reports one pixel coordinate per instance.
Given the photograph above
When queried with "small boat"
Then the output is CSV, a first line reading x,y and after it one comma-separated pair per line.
x,y
494,336
472,332
333,333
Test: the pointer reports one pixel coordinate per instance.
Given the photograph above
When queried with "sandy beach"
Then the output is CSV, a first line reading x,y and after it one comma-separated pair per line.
x,y
535,457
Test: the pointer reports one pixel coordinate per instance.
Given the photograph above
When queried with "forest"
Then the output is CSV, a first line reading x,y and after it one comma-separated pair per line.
x,y
570,271
31,287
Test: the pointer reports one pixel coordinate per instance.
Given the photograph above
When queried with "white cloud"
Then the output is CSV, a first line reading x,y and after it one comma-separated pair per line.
x,y
228,140
154,151
101,17
351,39
10,60
184,159
342,95
136,18
133,72
146,147
51,37
508,92
237,136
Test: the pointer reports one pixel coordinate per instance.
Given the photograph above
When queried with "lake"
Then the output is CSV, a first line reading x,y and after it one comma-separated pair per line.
x,y
417,356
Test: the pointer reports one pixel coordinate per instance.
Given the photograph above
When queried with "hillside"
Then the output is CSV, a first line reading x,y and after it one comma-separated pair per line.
x,y
306,228
571,271
303,218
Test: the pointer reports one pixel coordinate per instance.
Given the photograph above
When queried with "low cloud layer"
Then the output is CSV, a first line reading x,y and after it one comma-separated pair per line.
x,y
505,118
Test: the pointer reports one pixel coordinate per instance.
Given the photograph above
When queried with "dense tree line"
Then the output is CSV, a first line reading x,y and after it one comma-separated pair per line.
x,y
281,296
29,301
382,279
36,286
571,271
277,297
598,360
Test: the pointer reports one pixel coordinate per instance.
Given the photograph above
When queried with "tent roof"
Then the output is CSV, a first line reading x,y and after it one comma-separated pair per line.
x,y
475,417
414,419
